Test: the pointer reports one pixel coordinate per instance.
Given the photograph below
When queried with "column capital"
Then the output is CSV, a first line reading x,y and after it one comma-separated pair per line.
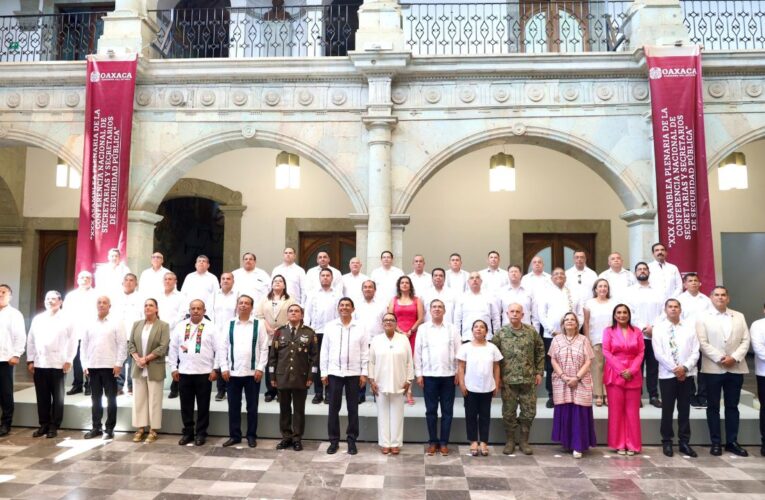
x,y
378,122
233,210
144,217
360,221
398,221
638,216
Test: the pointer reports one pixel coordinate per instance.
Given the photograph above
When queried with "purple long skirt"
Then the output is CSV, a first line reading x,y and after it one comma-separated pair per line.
x,y
574,427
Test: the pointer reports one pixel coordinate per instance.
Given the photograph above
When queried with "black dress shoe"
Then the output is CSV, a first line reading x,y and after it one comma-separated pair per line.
x,y
550,403
185,439
172,395
326,401
4,430
686,449
666,448
87,392
39,432
655,402
736,449
92,433
252,442
199,441
317,399
715,450
333,447
268,398
284,444
108,434
362,399
220,396
73,391
231,442
51,433
352,448
297,446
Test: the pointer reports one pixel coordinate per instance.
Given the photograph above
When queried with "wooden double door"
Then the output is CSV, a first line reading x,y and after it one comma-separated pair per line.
x,y
557,249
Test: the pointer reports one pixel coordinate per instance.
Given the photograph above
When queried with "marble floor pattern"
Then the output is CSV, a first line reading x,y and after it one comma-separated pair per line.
x,y
71,467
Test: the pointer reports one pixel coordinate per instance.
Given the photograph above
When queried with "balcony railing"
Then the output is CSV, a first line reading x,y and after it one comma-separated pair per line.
x,y
515,27
725,24
306,31
49,37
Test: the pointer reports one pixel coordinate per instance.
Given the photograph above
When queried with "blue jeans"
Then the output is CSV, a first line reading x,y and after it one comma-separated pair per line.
x,y
730,384
439,390
234,394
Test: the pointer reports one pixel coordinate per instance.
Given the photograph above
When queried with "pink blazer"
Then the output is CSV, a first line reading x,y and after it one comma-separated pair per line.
x,y
623,354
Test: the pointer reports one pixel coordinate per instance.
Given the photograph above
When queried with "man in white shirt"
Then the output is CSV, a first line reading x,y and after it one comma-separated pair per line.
x,y
173,305
251,280
127,308
694,306
104,350
109,275
421,279
151,283
192,359
441,292
80,306
293,274
676,348
664,276
12,340
369,312
201,284
343,364
619,279
51,347
554,302
473,305
646,304
456,277
515,293
724,339
757,332
435,366
312,275
385,277
535,283
353,280
580,278
243,358
320,310
224,310
493,277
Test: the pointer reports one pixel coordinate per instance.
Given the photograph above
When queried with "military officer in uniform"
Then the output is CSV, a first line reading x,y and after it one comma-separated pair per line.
x,y
521,368
292,362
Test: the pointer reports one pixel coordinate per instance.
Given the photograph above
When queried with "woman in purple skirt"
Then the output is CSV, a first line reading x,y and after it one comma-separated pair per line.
x,y
571,355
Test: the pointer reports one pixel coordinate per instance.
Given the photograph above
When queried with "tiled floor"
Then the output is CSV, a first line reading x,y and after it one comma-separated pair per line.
x,y
70,467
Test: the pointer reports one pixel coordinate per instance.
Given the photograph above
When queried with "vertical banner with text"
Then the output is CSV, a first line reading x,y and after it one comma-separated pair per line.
x,y
109,91
682,191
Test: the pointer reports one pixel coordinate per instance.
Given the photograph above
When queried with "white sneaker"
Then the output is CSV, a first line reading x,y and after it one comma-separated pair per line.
x,y
576,454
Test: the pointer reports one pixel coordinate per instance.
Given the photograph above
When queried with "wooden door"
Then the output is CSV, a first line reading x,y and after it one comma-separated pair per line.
x,y
55,264
341,247
557,249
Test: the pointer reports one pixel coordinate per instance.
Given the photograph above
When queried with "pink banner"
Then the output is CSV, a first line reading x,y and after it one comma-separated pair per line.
x,y
682,192
109,91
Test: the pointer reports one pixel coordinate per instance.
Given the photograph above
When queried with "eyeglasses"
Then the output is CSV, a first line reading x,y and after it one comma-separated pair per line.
x,y
156,256
389,321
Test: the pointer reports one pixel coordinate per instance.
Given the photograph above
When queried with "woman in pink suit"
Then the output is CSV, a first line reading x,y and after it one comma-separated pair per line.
x,y
623,348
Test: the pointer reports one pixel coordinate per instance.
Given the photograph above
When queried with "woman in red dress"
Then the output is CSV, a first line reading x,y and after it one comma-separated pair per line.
x,y
409,310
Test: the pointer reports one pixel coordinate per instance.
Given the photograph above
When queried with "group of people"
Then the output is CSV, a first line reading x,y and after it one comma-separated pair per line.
x,y
488,333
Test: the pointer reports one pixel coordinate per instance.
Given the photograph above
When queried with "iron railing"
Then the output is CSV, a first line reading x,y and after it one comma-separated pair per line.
x,y
49,37
725,24
515,27
322,30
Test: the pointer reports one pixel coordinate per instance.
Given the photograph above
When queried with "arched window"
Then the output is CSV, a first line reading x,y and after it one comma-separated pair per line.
x,y
554,27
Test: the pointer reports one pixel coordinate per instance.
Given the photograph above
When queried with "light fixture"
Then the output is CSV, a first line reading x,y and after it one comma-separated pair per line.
x,y
67,176
501,173
287,171
732,172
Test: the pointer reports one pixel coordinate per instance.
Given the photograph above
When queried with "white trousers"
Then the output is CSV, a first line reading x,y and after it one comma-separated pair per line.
x,y
147,402
390,420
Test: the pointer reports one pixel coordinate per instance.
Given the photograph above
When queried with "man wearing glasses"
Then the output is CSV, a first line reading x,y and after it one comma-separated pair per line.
x,y
152,280
581,278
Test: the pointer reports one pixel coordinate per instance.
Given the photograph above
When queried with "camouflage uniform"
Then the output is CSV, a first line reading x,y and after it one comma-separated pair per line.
x,y
523,358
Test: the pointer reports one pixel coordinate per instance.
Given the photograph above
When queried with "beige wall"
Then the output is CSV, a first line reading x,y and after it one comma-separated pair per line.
x,y
10,270
41,196
455,212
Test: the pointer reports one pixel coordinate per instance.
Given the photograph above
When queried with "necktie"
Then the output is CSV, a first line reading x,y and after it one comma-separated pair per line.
x,y
292,331
673,345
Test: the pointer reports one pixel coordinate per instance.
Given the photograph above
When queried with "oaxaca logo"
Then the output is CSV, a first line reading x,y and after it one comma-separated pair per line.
x,y
656,73
98,76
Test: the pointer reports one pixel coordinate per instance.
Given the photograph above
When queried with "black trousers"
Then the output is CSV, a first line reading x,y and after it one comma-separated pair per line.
x,y
49,388
270,390
195,388
6,394
292,413
761,397
672,390
335,389
651,370
220,384
79,381
699,386
548,367
730,385
251,389
318,387
478,416
102,381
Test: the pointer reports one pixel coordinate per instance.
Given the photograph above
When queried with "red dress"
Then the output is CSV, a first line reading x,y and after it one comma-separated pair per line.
x,y
406,316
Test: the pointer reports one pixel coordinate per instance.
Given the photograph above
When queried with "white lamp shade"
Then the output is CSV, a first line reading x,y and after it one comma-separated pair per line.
x,y
287,171
732,173
62,174
501,173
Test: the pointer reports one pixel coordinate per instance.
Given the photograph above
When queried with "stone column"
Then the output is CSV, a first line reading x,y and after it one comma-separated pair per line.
x,y
641,224
361,223
398,222
232,235
380,26
140,239
656,22
128,29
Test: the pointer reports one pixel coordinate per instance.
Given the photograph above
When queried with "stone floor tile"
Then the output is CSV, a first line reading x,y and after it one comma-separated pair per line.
x,y
359,481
